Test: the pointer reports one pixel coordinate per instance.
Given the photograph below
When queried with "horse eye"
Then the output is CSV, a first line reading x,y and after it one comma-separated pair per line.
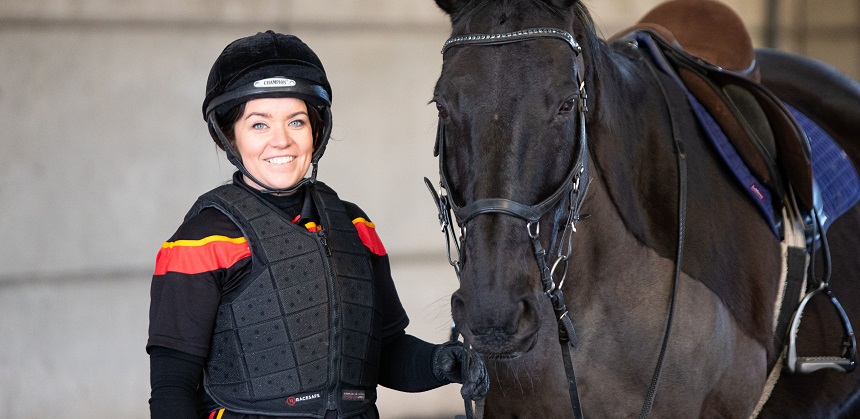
x,y
566,106
443,113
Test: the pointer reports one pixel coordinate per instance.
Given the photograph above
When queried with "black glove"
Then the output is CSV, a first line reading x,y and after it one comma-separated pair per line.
x,y
454,362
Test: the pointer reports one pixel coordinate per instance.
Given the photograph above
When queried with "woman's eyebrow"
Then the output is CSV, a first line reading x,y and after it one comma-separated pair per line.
x,y
267,115
262,114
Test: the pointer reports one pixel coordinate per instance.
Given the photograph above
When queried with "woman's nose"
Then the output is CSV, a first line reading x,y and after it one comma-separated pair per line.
x,y
280,138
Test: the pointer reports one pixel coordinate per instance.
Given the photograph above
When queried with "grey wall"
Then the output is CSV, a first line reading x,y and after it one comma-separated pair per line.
x,y
104,149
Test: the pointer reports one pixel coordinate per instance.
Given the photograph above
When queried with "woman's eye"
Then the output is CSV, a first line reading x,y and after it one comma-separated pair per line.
x,y
297,123
443,113
258,126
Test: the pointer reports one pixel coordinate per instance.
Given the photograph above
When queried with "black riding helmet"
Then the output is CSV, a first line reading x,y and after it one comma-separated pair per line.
x,y
267,65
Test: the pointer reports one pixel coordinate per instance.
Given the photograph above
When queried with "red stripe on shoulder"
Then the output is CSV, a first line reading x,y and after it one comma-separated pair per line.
x,y
198,256
367,233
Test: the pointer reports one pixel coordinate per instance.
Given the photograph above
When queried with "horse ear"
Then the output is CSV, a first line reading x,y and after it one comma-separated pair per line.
x,y
563,4
451,6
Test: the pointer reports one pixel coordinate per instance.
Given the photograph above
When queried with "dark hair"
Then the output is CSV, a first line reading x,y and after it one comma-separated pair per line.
x,y
227,121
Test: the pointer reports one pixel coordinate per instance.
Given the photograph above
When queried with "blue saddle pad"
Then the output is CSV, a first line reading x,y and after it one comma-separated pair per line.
x,y
832,170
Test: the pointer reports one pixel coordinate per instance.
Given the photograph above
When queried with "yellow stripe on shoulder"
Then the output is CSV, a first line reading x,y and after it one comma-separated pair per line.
x,y
363,221
203,241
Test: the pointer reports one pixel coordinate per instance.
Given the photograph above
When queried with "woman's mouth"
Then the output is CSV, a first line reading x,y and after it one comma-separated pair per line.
x,y
281,160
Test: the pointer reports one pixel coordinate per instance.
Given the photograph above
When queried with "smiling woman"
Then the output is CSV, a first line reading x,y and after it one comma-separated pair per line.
x,y
274,297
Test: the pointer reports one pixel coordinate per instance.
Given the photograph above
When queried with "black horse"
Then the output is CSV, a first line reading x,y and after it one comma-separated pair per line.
x,y
578,159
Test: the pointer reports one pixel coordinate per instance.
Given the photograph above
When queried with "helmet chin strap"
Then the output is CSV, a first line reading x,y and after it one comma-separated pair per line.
x,y
234,158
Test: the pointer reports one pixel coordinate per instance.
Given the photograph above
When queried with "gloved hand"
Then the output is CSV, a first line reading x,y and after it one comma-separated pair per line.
x,y
454,362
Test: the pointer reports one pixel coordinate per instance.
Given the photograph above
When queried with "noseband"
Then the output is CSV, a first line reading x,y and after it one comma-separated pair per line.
x,y
575,186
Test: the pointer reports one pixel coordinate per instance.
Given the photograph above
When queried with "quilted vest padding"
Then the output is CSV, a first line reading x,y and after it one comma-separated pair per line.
x,y
281,344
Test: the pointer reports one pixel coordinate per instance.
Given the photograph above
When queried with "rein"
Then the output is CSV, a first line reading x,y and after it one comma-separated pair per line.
x,y
678,142
575,187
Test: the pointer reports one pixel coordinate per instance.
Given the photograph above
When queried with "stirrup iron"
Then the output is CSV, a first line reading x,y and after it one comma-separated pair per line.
x,y
844,363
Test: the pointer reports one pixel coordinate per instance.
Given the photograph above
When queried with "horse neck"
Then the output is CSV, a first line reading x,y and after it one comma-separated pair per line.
x,y
630,142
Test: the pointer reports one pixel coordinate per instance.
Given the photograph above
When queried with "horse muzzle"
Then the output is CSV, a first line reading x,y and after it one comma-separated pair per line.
x,y
497,326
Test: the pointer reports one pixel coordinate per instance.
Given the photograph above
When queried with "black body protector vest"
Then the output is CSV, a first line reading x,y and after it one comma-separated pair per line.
x,y
301,334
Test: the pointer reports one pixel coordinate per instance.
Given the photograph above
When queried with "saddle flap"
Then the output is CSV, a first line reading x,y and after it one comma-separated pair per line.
x,y
793,149
744,105
792,146
727,106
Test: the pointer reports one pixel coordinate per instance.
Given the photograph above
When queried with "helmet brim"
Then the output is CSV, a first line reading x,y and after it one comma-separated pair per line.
x,y
290,87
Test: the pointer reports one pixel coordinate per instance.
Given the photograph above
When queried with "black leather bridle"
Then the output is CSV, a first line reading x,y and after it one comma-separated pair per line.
x,y
574,186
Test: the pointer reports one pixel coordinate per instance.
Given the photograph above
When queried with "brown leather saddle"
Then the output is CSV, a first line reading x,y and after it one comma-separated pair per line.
x,y
712,52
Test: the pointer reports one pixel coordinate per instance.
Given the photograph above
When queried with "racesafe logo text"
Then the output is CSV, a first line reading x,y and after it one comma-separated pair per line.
x,y
292,400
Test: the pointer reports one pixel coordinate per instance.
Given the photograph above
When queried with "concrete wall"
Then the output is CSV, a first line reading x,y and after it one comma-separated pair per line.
x,y
104,149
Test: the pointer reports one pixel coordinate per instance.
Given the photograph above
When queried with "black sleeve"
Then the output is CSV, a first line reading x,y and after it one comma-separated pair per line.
x,y
408,364
394,318
192,271
175,378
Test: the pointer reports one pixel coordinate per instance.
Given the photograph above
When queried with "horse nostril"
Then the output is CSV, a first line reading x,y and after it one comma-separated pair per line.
x,y
527,316
457,306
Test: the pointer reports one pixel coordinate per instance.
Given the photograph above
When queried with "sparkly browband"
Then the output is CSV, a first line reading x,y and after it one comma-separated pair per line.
x,y
504,38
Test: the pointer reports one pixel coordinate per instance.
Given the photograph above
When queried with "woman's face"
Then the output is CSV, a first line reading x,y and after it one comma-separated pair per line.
x,y
274,138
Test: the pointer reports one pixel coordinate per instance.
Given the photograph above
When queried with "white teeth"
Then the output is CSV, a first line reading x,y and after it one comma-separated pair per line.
x,y
281,160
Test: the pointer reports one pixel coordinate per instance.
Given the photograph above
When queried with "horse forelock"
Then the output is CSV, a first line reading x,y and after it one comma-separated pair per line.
x,y
477,15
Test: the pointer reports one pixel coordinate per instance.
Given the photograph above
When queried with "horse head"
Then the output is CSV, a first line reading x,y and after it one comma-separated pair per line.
x,y
511,105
